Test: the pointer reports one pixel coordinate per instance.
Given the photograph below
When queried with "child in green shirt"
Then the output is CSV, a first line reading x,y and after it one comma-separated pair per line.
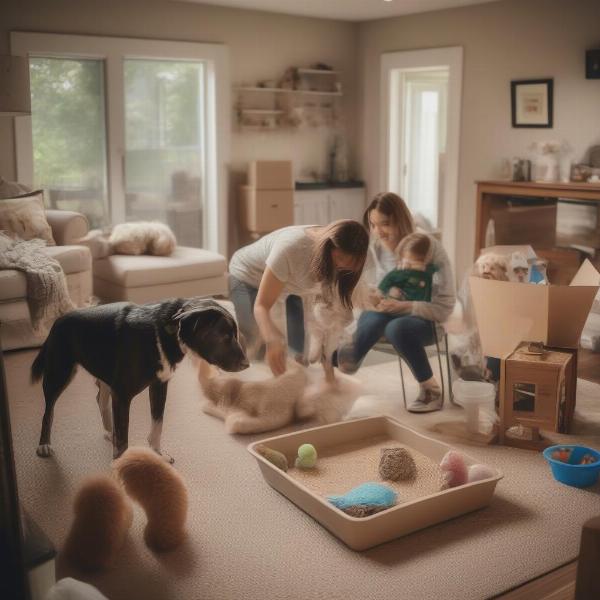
x,y
412,279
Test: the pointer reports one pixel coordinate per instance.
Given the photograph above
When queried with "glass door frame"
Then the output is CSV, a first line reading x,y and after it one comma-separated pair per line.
x,y
113,51
392,64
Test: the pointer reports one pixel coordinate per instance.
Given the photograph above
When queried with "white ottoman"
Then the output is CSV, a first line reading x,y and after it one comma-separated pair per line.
x,y
187,272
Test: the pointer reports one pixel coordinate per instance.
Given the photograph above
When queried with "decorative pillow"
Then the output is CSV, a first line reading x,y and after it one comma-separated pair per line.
x,y
24,217
12,189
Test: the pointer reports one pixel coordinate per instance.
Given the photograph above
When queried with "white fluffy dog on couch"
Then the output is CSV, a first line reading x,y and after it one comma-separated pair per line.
x,y
140,237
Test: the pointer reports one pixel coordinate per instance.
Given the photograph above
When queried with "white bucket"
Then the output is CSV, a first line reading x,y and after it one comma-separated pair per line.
x,y
476,397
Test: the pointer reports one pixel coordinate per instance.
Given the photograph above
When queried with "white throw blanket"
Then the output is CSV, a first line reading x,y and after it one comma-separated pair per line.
x,y
47,294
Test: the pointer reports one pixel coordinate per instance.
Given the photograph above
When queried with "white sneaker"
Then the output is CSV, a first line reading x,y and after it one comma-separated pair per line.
x,y
428,400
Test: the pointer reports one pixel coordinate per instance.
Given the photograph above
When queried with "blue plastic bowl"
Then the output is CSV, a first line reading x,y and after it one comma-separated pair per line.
x,y
572,473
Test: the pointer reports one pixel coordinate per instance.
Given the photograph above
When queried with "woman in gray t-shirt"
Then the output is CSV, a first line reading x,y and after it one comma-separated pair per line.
x,y
295,261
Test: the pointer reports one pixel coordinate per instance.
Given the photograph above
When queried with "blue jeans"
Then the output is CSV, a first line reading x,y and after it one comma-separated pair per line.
x,y
243,297
408,334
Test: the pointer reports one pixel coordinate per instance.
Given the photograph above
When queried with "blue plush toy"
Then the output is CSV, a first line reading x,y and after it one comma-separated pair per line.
x,y
366,499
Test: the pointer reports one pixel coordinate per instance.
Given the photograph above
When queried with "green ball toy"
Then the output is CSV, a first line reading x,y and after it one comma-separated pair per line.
x,y
307,456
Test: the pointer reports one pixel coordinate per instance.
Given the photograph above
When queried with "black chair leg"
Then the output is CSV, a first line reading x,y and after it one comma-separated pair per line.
x,y
402,380
448,370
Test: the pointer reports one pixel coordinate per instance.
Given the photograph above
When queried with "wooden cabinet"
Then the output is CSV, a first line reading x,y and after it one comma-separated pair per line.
x,y
320,207
561,221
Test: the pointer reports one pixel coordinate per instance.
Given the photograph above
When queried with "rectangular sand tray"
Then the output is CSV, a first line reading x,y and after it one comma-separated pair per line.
x,y
348,456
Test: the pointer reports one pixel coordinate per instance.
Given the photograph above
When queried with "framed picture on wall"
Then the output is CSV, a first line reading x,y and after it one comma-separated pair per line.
x,y
531,102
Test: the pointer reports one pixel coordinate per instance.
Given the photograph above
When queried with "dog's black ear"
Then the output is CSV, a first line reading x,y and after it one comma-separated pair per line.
x,y
198,315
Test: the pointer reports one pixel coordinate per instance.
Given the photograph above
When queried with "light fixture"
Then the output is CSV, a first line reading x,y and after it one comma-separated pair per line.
x,y
15,98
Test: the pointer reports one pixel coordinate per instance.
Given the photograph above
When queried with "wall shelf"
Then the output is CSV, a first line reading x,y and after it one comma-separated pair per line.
x,y
303,71
296,100
287,91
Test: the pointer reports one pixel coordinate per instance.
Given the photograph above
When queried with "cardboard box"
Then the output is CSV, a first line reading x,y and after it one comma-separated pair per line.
x,y
271,175
509,313
263,211
538,391
563,263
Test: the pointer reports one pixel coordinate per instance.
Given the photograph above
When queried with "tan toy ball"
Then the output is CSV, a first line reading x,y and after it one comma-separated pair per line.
x,y
102,518
161,492
397,464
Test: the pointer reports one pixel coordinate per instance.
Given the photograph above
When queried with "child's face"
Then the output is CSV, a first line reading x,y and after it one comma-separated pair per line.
x,y
412,261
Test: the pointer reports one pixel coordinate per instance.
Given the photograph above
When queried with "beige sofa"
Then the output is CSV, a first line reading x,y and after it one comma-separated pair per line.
x,y
186,272
76,261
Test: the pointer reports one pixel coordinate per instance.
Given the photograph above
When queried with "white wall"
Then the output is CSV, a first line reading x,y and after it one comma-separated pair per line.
x,y
262,45
511,39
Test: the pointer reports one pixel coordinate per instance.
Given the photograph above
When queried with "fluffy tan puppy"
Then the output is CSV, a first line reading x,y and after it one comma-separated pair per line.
x,y
143,237
160,491
252,406
102,518
259,406
492,266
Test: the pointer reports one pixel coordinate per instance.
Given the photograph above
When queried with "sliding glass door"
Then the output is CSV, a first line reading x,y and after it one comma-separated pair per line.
x,y
164,145
129,130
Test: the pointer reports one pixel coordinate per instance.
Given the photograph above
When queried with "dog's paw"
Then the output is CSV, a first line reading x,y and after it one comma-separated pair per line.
x,y
234,424
44,450
166,457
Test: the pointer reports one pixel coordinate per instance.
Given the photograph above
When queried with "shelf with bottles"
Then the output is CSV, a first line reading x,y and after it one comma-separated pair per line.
x,y
302,97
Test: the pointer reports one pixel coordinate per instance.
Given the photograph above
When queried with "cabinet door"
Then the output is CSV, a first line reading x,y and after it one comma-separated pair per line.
x,y
347,204
311,208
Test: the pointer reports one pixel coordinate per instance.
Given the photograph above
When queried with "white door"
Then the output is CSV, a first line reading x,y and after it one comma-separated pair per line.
x,y
420,130
423,142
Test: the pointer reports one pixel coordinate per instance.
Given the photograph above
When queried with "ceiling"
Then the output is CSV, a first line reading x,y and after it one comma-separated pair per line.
x,y
345,10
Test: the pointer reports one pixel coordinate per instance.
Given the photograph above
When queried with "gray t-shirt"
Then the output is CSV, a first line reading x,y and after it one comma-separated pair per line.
x,y
287,252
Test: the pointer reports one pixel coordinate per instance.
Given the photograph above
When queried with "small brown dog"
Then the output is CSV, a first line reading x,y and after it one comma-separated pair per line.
x,y
102,518
160,491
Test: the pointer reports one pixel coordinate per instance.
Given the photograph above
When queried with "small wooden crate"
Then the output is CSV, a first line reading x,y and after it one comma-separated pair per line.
x,y
537,392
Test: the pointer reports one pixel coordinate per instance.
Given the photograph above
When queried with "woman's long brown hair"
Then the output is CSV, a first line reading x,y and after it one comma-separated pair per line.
x,y
393,207
351,238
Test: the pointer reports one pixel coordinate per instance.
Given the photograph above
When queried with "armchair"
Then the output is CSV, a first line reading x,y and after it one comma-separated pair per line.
x,y
76,261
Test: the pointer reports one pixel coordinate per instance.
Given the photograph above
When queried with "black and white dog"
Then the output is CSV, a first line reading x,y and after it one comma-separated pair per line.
x,y
129,347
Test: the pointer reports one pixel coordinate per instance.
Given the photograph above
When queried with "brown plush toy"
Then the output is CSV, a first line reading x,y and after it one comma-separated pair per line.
x,y
102,518
161,492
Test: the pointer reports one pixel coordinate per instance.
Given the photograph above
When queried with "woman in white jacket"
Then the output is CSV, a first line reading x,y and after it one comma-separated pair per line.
x,y
407,325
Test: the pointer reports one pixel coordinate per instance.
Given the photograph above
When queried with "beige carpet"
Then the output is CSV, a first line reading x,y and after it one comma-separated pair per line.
x,y
247,542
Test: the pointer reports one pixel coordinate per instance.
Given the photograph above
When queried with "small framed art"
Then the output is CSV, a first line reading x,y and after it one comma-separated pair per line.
x,y
531,102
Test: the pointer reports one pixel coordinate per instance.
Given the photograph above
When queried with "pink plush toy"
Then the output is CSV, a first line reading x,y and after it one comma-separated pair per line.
x,y
454,469
479,472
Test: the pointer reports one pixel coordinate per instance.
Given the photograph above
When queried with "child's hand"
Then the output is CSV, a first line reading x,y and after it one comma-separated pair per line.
x,y
395,307
397,293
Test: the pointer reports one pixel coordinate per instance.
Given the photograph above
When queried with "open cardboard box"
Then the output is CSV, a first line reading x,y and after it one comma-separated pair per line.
x,y
509,313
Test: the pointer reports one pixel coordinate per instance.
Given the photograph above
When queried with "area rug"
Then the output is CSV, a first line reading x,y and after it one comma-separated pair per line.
x,y
247,542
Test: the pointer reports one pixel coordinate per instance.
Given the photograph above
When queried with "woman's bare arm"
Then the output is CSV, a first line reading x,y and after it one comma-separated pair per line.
x,y
268,292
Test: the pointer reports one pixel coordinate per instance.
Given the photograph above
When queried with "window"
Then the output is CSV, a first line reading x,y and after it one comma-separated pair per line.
x,y
69,135
125,129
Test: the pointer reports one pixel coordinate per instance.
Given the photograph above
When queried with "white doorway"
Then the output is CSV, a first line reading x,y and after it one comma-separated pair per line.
x,y
420,129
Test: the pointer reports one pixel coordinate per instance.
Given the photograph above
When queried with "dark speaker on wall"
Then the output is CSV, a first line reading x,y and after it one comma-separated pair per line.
x,y
592,64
